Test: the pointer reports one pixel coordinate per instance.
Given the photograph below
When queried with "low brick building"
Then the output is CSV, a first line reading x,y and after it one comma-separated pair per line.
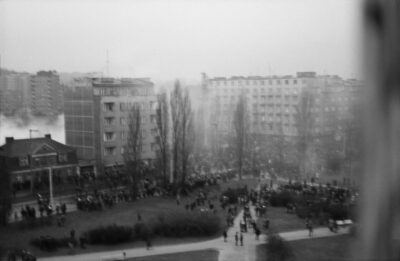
x,y
32,162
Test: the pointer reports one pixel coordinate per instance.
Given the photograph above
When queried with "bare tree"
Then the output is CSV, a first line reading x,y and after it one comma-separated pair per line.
x,y
163,132
182,132
133,150
176,97
304,121
187,133
241,126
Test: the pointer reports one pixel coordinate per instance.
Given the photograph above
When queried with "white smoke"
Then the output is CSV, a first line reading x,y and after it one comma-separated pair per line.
x,y
19,128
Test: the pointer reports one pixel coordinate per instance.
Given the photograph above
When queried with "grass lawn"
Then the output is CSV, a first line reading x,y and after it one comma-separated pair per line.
x,y
124,213
280,221
204,255
338,248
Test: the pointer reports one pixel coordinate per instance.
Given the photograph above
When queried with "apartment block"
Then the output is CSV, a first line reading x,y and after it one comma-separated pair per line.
x,y
97,115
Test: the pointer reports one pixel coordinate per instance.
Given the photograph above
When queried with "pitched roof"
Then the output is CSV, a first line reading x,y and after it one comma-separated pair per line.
x,y
23,147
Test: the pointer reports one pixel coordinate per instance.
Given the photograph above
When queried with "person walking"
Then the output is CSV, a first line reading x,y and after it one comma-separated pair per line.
x,y
225,234
236,238
257,233
148,243
241,239
309,226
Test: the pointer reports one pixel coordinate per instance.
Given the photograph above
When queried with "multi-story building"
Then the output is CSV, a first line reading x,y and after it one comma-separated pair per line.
x,y
97,116
14,93
79,122
273,102
46,94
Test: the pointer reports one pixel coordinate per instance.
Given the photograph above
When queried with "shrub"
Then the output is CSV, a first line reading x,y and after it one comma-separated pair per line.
x,y
109,235
338,212
184,224
281,199
48,243
278,249
142,231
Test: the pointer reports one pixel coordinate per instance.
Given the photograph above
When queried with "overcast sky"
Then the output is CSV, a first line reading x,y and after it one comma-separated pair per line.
x,y
167,39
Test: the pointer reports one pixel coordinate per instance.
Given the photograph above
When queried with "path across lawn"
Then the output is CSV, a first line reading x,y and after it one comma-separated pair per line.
x,y
227,250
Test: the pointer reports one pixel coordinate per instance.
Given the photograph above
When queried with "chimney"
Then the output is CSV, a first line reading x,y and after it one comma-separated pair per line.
x,y
47,136
9,140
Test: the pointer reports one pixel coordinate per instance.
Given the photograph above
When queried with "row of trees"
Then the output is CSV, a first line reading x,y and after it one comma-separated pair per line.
x,y
174,125
334,152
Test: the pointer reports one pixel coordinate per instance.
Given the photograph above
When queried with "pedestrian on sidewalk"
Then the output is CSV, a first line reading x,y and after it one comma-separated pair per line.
x,y
257,233
148,243
309,226
236,238
225,234
266,225
241,239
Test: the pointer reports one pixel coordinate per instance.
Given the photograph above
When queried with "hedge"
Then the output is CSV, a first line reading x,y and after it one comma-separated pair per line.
x,y
187,224
48,243
111,234
177,224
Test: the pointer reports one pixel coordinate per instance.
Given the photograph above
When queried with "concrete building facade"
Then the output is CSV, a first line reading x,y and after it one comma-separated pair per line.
x,y
97,114
46,94
15,96
272,102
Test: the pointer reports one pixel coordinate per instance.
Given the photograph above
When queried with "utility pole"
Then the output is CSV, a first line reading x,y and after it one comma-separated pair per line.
x,y
31,159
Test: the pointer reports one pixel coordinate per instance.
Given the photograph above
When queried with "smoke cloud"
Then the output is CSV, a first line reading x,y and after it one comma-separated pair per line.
x,y
19,128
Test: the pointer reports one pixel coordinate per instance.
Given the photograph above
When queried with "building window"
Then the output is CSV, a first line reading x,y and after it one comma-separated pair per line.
x,y
295,81
122,121
109,136
124,135
122,106
153,119
109,106
278,81
122,150
23,161
62,157
109,120
109,151
286,81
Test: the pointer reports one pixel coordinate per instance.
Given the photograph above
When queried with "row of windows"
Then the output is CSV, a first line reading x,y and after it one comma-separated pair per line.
x,y
111,91
79,123
43,161
127,106
112,150
110,121
76,138
255,82
84,108
112,136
